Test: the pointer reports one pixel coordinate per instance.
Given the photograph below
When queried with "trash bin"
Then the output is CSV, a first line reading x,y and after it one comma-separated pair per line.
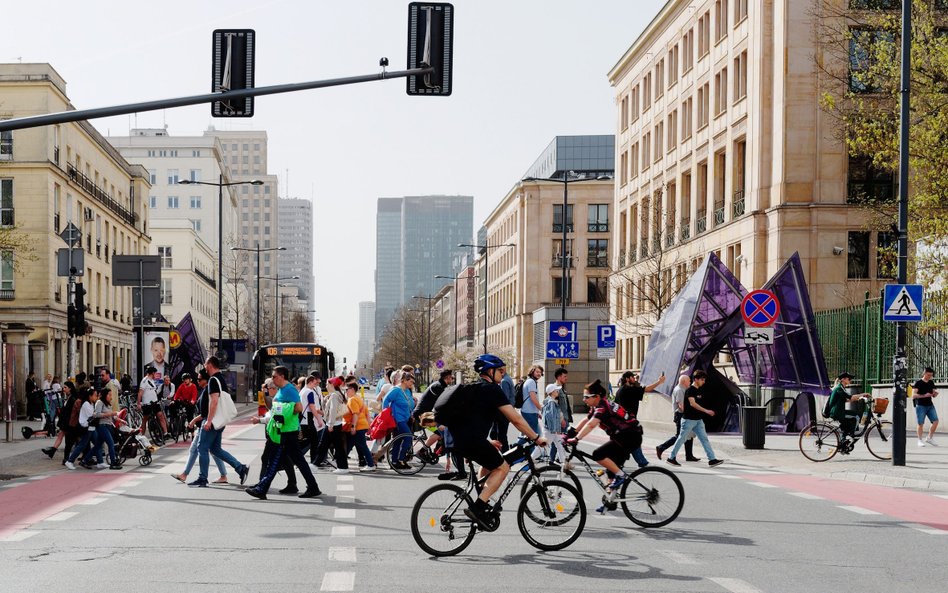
x,y
753,426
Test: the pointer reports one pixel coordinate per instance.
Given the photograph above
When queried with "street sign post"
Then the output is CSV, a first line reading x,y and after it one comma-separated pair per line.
x,y
71,235
758,336
70,267
760,309
605,342
562,349
902,302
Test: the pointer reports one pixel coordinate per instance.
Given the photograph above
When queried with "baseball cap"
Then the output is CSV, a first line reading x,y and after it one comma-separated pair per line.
x,y
336,381
845,376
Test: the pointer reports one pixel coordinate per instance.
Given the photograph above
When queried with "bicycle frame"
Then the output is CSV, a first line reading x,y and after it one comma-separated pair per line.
x,y
477,484
865,421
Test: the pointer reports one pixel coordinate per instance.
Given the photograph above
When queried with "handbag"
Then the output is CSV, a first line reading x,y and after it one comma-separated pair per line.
x,y
382,424
226,410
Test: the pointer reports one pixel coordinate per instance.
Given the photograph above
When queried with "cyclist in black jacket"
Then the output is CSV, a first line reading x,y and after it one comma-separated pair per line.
x,y
428,399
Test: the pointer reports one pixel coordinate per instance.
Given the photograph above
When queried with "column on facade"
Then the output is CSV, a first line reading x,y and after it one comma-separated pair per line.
x,y
18,335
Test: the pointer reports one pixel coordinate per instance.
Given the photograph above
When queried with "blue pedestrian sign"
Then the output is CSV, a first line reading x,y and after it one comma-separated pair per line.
x,y
606,336
902,302
562,349
563,331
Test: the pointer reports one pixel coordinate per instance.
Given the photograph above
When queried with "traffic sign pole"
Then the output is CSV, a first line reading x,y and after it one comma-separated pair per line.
x,y
760,308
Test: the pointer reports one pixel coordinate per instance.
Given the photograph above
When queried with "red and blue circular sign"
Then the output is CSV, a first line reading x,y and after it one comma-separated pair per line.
x,y
760,308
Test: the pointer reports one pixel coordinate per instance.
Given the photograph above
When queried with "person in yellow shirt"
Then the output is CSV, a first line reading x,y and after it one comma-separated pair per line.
x,y
358,422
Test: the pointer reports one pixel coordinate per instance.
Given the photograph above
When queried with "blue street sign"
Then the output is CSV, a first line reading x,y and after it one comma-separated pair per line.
x,y
902,302
606,336
363,381
562,331
562,349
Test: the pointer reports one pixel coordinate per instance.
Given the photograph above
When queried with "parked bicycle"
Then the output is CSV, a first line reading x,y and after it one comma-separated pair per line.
x,y
651,497
822,440
550,516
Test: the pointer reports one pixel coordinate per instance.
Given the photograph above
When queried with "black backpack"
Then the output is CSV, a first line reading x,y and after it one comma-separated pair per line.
x,y
518,394
449,407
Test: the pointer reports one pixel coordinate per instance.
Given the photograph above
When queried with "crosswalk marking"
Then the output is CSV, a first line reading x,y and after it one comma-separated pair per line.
x,y
62,516
858,510
343,531
805,495
342,554
345,488
735,585
678,557
344,514
18,536
338,581
762,484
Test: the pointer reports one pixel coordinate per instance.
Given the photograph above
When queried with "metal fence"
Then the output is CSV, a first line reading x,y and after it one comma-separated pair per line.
x,y
856,340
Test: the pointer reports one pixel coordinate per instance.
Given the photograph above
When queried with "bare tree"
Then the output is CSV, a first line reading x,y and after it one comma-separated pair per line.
x,y
403,341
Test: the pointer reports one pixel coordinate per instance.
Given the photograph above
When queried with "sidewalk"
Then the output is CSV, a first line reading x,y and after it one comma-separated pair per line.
x,y
21,457
926,468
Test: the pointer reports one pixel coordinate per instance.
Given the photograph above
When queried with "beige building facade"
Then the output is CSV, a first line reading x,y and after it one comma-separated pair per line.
x,y
52,176
721,146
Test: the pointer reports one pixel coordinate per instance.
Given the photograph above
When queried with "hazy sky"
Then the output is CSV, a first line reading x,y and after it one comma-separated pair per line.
x,y
524,72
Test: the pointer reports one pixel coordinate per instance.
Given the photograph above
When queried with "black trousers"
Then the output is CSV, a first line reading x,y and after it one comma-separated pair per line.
x,y
498,432
285,465
279,454
338,438
689,444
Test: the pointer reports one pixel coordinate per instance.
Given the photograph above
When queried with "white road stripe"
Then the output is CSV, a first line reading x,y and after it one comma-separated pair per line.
x,y
347,554
344,478
345,499
13,485
62,516
18,536
344,514
931,531
761,472
942,495
735,585
115,492
730,477
762,484
858,510
805,495
343,531
345,488
94,501
130,484
34,478
338,581
678,557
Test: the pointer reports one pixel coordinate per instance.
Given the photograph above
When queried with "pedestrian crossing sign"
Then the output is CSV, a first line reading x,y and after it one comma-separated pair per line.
x,y
902,302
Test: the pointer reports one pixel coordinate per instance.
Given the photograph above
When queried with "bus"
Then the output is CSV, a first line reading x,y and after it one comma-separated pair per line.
x,y
300,358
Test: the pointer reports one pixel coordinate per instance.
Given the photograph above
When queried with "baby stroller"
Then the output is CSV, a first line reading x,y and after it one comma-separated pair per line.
x,y
131,442
38,406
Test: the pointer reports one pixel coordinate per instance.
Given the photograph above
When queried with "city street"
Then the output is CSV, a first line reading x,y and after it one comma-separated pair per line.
x,y
744,528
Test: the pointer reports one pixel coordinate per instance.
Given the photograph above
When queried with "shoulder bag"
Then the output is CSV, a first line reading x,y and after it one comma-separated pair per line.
x,y
226,410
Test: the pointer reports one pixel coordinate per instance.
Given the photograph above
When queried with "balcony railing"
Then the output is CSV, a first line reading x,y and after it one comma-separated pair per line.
x,y
622,258
718,214
558,227
597,261
643,252
669,237
558,261
93,190
597,227
210,281
7,294
737,206
701,224
633,253
685,230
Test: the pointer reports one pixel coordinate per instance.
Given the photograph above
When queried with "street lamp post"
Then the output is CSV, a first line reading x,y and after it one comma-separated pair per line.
x,y
486,247
278,299
258,250
455,279
428,300
221,184
565,180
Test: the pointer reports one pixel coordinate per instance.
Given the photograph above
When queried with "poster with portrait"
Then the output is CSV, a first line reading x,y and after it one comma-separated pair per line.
x,y
155,349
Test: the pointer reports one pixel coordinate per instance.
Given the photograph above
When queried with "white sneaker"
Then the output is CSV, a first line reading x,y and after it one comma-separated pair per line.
x,y
101,466
921,443
931,442
340,471
368,469
70,465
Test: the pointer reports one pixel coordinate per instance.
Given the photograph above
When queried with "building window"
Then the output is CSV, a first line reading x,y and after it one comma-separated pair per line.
x,y
597,254
866,183
704,102
558,253
172,176
720,20
166,291
597,290
672,129
688,51
6,203
720,92
740,11
634,160
598,218
195,202
659,140
558,218
634,103
164,252
196,225
6,146
704,34
6,270
857,262
647,92
673,66
152,201
172,201
863,43
887,252
687,116
558,289
740,76
152,176
646,150
196,153
194,175
660,79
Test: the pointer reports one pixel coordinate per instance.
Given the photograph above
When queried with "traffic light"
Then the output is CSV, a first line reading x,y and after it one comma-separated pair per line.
x,y
71,320
79,311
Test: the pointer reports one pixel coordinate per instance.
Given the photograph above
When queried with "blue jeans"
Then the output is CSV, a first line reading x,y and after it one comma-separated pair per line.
x,y
211,445
362,448
103,434
402,446
697,427
639,457
86,438
193,454
923,412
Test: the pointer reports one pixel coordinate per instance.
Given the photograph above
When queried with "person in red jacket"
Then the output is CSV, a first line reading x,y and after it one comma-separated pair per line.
x,y
187,394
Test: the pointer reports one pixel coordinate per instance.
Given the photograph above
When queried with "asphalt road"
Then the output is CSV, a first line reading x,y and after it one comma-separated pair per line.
x,y
742,530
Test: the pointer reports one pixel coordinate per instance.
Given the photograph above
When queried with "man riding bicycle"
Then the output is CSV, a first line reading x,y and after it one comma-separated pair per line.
x,y
625,432
469,412
837,408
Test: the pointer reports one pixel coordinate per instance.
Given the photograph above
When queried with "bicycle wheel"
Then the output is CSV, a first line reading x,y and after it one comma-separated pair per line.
x,y
134,418
551,472
652,497
879,440
175,428
154,432
819,442
552,515
413,457
438,523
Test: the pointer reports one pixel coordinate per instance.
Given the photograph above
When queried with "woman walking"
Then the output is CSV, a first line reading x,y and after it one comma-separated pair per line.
x,y
203,378
103,431
402,403
359,421
336,412
64,422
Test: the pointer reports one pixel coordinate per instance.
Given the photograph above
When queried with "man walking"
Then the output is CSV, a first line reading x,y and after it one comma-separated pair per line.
x,y
114,388
312,423
498,431
531,401
923,394
631,392
693,420
678,405
211,437
556,393
284,425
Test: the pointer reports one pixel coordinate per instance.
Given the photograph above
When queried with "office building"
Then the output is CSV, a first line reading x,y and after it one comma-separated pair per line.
x,y
296,235
366,333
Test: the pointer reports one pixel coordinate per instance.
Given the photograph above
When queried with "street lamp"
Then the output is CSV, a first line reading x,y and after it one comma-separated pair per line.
x,y
258,250
428,300
455,279
221,184
486,247
278,298
565,180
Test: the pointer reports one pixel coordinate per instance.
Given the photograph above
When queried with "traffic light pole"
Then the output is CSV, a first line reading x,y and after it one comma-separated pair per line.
x,y
70,300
